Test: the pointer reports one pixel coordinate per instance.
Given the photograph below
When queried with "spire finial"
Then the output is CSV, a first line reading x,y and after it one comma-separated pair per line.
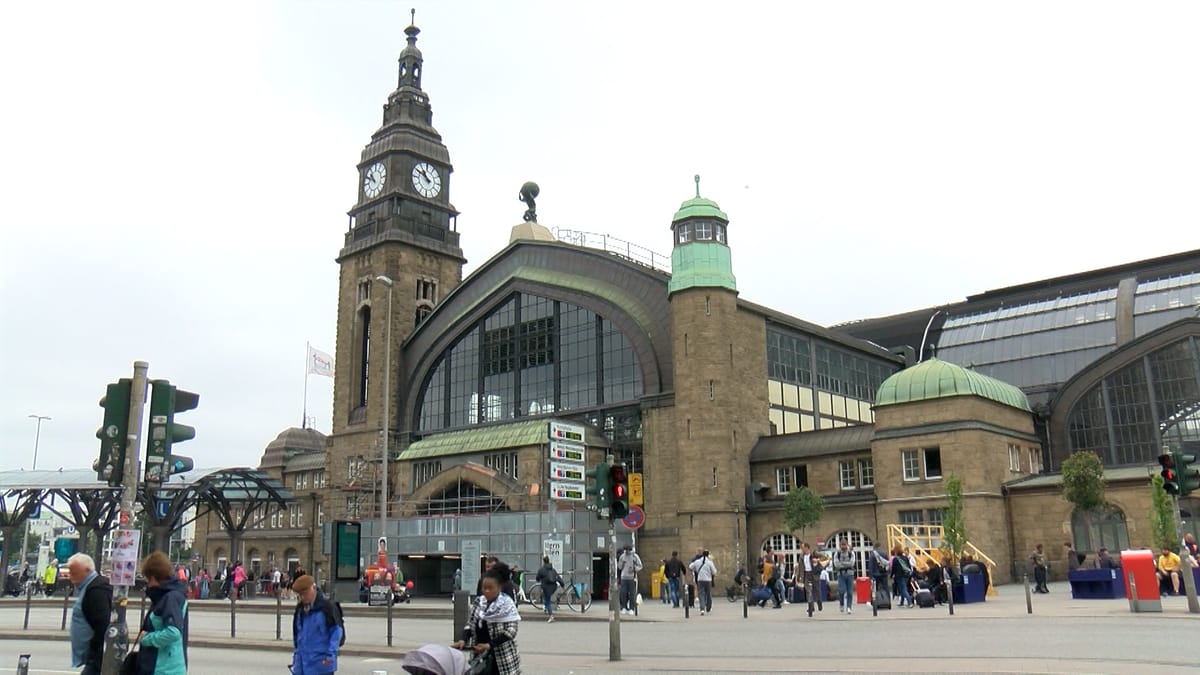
x,y
697,185
413,11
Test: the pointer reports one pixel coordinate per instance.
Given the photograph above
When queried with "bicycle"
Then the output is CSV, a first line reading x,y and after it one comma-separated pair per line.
x,y
576,594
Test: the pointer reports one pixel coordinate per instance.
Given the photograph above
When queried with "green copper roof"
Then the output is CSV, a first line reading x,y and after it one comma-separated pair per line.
x,y
701,264
484,439
939,379
699,207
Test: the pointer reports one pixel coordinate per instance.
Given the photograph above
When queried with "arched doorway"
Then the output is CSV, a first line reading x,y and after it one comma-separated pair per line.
x,y
787,546
859,543
1102,527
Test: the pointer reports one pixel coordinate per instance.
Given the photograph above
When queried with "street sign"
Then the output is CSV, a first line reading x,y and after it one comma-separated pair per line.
x,y
573,492
563,431
567,452
567,471
161,506
635,518
635,489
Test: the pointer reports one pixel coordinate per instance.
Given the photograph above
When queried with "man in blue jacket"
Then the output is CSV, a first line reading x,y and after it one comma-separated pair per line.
x,y
316,630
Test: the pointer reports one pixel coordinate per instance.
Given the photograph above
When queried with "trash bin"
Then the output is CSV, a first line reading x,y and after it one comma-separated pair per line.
x,y
1140,566
862,590
656,584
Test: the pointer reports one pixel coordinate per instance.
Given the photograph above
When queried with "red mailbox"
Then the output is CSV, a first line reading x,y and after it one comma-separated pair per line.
x,y
862,590
1139,566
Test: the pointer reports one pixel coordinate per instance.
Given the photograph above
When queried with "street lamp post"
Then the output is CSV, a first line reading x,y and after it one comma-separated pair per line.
x,y
387,397
37,437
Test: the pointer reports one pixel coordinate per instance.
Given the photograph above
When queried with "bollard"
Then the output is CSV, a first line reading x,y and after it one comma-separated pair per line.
x,y
461,613
390,602
745,600
949,593
687,604
233,614
278,615
66,606
23,664
874,594
28,602
1028,594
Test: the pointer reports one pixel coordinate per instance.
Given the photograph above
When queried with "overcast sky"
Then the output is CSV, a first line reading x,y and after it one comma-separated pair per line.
x,y
175,177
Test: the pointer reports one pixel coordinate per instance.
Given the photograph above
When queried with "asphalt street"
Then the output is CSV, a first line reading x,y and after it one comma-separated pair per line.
x,y
1061,635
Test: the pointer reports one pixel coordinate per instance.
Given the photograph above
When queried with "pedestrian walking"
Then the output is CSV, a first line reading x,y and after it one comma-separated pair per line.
x,y
163,639
675,572
89,616
317,630
705,571
843,566
491,633
628,565
1038,560
550,581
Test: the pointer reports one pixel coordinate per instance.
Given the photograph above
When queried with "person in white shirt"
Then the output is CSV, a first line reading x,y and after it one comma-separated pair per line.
x,y
705,571
629,564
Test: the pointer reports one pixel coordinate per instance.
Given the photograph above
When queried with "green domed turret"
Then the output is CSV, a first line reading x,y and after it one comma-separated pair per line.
x,y
700,257
934,379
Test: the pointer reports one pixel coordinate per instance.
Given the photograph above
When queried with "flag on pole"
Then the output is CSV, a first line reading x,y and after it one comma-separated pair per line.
x,y
319,363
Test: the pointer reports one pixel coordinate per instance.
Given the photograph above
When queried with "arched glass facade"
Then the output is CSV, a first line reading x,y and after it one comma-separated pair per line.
x,y
1100,528
531,356
1129,415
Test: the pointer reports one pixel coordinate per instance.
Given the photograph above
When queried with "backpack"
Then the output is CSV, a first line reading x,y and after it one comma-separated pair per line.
x,y
902,563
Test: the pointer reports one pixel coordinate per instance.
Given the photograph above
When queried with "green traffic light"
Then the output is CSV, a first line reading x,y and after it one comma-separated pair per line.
x,y
619,481
110,467
1187,476
601,490
165,401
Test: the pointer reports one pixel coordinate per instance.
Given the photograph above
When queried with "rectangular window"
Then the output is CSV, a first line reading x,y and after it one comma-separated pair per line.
x,y
1014,458
299,516
911,521
800,475
320,515
503,463
866,473
1035,460
783,480
846,475
684,232
703,231
292,516
275,519
912,469
933,463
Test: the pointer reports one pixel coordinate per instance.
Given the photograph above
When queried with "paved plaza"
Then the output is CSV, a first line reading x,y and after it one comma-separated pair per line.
x,y
1061,635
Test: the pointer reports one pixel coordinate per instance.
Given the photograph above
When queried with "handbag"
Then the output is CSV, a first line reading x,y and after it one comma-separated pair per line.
x,y
130,665
480,664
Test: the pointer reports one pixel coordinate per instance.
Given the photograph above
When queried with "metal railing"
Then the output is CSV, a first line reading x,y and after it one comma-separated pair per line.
x,y
618,247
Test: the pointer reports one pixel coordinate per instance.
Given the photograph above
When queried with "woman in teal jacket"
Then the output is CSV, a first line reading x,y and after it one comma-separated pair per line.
x,y
163,640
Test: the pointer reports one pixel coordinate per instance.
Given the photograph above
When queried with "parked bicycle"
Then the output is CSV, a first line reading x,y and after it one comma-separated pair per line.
x,y
575,593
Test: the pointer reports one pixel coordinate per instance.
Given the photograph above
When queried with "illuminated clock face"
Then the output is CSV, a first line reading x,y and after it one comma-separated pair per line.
x,y
374,179
426,179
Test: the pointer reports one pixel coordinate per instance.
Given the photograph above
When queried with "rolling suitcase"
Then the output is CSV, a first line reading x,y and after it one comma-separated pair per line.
x,y
924,598
883,597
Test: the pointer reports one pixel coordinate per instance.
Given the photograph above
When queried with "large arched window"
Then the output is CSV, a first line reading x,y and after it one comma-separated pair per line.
x,y
530,356
1098,528
789,547
859,542
462,498
1128,416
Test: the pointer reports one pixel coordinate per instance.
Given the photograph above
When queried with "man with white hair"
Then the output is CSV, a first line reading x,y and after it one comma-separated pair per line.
x,y
89,618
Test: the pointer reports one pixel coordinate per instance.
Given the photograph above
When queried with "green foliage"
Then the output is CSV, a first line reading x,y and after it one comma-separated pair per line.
x,y
954,528
1162,515
801,508
1083,480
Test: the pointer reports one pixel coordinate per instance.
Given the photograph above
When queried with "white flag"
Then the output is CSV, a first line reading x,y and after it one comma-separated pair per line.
x,y
319,362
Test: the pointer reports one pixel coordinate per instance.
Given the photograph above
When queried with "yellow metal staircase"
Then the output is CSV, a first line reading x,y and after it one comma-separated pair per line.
x,y
925,542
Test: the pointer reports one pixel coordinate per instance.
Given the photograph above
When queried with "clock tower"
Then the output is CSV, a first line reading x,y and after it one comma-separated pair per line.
x,y
402,230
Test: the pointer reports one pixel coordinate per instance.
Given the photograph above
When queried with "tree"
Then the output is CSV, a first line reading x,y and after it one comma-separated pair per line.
x,y
1083,480
1162,515
802,507
954,529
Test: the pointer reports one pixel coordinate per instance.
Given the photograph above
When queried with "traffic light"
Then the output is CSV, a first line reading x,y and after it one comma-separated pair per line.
x,y
110,467
1187,476
1170,477
600,489
619,480
165,401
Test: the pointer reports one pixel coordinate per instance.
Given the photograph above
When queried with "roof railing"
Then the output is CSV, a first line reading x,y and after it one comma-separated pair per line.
x,y
618,247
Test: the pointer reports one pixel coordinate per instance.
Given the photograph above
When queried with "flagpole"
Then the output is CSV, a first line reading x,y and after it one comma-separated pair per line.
x,y
307,356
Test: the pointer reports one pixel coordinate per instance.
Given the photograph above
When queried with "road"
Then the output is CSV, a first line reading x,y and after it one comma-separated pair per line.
x,y
1062,635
